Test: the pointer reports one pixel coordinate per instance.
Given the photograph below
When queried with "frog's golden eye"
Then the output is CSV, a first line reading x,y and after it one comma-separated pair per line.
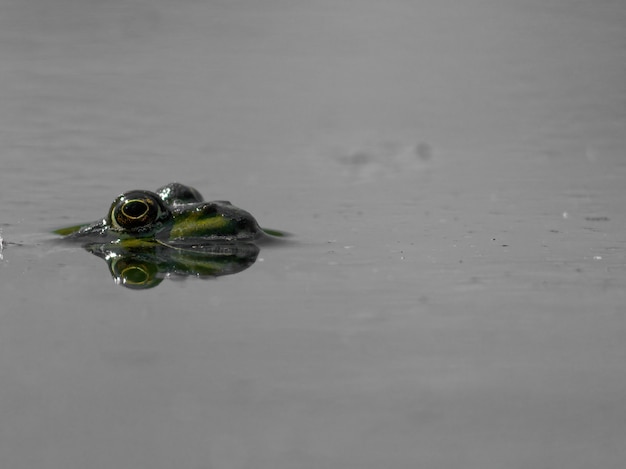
x,y
137,211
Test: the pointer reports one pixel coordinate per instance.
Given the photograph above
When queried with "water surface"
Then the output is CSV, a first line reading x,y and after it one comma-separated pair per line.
x,y
452,172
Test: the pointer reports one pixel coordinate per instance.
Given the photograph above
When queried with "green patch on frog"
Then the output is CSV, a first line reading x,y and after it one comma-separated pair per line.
x,y
147,236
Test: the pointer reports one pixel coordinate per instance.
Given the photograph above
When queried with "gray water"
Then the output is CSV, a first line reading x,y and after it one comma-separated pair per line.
x,y
453,177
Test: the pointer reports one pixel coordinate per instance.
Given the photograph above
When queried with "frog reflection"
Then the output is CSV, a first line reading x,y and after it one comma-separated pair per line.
x,y
146,267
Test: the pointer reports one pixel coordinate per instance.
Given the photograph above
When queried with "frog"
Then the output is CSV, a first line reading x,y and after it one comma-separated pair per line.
x,y
171,233
175,215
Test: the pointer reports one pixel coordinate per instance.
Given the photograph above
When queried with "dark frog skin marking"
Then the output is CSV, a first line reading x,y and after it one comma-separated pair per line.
x,y
148,236
174,215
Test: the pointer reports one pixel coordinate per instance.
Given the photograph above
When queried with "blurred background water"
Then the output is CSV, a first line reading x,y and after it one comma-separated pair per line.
x,y
452,172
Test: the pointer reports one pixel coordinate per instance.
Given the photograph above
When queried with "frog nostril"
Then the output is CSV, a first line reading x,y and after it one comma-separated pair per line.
x,y
207,209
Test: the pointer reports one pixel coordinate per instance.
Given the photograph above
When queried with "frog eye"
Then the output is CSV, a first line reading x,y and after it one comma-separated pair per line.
x,y
136,211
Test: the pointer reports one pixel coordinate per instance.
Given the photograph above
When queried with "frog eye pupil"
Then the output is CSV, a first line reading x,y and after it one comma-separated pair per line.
x,y
134,209
136,214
